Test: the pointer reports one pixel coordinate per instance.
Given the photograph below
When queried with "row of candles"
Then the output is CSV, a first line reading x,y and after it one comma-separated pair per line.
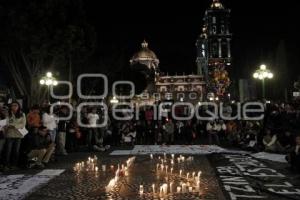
x,y
193,180
89,165
166,188
123,171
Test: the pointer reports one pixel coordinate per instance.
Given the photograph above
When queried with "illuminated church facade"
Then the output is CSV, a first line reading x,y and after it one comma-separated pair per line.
x,y
213,59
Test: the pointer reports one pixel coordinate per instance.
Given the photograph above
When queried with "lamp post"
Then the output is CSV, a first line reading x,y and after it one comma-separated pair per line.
x,y
114,100
263,73
48,80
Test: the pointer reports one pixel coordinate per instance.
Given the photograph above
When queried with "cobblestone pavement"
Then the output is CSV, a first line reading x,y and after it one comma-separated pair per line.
x,y
90,185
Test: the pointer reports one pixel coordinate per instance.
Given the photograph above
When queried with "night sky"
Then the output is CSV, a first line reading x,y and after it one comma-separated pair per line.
x,y
171,29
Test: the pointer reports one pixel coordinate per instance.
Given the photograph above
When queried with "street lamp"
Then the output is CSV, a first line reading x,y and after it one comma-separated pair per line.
x,y
261,74
48,80
114,100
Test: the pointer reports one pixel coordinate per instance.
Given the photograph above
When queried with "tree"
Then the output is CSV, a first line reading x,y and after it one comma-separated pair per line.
x,y
43,35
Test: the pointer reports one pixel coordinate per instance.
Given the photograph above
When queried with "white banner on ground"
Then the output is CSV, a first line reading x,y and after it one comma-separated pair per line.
x,y
175,149
14,187
270,156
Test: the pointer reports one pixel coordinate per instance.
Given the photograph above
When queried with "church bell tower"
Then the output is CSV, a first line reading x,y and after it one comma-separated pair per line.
x,y
214,49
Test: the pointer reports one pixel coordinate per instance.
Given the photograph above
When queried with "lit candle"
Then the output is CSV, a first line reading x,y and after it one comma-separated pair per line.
x,y
161,190
92,160
151,156
172,156
183,158
184,189
89,158
180,173
104,168
172,162
96,168
165,156
194,174
190,189
82,164
198,186
153,188
171,187
126,171
123,167
178,189
199,174
172,170
141,189
165,189
178,159
167,168
162,167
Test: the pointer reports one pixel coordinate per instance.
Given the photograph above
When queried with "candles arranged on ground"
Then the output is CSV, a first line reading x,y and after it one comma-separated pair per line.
x,y
189,183
90,165
141,189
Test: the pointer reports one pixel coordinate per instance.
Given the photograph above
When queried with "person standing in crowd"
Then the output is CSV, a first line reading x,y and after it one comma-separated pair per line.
x,y
62,131
158,129
221,126
294,157
34,119
211,129
73,134
3,124
14,135
140,132
169,129
179,132
41,148
189,132
149,132
50,122
93,132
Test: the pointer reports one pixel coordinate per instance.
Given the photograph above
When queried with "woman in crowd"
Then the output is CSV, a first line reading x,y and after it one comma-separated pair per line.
x,y
3,123
14,134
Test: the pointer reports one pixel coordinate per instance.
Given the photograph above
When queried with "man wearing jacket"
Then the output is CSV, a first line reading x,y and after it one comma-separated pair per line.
x,y
41,147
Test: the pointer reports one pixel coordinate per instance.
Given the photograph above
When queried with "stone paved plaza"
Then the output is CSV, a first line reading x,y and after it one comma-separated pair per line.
x,y
224,176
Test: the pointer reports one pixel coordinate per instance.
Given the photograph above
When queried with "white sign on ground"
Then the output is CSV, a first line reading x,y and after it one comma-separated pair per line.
x,y
14,187
175,149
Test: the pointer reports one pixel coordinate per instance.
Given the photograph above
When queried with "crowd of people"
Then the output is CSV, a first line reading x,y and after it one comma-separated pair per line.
x,y
35,139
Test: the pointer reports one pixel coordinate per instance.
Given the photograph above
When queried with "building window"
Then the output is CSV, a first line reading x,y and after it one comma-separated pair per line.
x,y
214,29
214,20
222,29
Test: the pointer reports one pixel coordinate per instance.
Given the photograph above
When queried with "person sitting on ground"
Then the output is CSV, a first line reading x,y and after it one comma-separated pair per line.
x,y
270,142
286,142
294,157
41,148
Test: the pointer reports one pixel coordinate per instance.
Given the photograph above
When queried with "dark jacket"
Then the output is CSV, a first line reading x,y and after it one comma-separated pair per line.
x,y
39,142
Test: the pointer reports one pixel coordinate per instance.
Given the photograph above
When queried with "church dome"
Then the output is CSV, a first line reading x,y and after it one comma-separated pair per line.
x,y
217,5
144,54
